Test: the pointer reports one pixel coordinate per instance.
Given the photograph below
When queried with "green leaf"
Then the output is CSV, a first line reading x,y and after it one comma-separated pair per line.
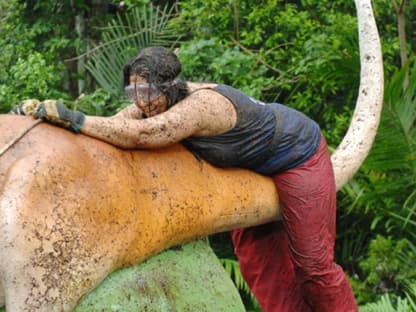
x,y
123,37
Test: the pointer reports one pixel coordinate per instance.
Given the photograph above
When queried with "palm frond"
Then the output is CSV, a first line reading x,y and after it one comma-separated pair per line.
x,y
352,246
391,149
232,267
403,101
352,194
391,166
385,304
122,38
410,207
395,142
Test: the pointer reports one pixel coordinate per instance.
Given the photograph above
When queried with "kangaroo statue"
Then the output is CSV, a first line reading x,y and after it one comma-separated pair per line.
x,y
74,209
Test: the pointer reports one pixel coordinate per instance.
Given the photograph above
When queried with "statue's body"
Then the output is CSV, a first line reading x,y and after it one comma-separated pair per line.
x,y
74,209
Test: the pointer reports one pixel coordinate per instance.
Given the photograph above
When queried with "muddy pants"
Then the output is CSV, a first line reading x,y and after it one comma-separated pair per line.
x,y
289,264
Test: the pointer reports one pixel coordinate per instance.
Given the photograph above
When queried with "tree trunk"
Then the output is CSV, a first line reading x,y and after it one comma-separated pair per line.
x,y
401,26
80,29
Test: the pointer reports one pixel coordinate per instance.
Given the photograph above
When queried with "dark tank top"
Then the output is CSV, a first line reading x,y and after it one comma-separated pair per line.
x,y
266,138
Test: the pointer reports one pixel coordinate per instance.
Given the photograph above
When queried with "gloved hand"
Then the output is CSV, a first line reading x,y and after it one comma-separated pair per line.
x,y
58,114
26,107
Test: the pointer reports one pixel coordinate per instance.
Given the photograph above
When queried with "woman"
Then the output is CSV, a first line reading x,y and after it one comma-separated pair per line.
x,y
288,265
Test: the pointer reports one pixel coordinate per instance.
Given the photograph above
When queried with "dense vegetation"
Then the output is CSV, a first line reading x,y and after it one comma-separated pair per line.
x,y
302,53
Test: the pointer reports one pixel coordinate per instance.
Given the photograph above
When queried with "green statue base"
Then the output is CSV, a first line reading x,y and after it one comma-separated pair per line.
x,y
189,278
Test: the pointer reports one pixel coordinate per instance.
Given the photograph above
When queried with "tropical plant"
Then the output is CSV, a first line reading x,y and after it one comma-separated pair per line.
x,y
232,267
381,200
30,77
123,37
28,69
303,54
39,45
97,103
390,267
387,304
391,166
214,60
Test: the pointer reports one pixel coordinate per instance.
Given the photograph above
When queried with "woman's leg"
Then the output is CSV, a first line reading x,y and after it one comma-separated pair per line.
x,y
308,201
265,264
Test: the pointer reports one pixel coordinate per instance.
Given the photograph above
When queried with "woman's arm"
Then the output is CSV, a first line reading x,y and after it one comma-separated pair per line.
x,y
202,113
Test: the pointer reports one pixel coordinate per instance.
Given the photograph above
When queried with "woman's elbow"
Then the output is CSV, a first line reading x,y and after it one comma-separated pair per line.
x,y
146,140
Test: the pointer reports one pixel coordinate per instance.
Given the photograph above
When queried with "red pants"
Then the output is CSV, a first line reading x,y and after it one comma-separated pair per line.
x,y
289,265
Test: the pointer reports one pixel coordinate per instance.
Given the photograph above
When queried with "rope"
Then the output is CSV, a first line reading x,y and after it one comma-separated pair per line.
x,y
17,138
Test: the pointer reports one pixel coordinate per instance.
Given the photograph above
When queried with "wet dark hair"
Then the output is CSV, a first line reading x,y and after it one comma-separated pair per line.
x,y
161,67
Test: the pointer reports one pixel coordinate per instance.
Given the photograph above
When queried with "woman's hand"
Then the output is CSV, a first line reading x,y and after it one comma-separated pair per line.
x,y
58,114
26,107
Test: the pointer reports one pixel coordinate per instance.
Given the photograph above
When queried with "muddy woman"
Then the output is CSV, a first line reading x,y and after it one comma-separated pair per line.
x,y
288,264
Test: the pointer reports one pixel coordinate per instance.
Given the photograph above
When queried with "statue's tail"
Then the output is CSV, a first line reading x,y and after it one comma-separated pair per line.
x,y
354,148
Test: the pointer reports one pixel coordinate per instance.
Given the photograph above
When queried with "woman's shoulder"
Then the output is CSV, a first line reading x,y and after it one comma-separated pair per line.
x,y
195,86
214,112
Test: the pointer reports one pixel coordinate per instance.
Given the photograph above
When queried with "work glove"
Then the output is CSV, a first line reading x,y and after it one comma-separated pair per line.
x,y
58,114
26,107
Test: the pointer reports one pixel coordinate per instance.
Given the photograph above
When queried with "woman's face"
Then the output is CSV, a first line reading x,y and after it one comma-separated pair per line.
x,y
146,96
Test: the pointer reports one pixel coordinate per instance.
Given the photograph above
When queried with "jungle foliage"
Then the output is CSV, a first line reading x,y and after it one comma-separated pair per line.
x,y
301,53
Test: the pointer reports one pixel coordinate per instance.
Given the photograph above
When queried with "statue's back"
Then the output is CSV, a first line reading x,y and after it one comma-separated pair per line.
x,y
74,209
